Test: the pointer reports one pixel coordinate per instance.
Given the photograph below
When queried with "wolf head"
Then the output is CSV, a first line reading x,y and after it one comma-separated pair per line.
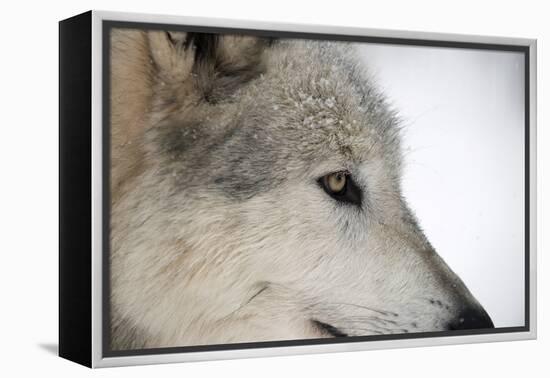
x,y
264,202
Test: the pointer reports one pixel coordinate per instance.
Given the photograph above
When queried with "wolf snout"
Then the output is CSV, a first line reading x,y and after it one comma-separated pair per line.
x,y
471,318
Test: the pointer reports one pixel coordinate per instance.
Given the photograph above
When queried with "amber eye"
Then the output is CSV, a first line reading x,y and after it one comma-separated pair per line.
x,y
340,186
336,182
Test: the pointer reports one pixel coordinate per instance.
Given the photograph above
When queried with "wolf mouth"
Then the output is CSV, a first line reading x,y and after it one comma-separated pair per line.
x,y
329,329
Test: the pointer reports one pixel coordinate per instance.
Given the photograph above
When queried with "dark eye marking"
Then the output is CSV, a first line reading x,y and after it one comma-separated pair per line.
x,y
341,187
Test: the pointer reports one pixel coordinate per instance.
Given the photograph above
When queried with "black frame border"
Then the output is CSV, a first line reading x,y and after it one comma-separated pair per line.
x,y
108,25
75,193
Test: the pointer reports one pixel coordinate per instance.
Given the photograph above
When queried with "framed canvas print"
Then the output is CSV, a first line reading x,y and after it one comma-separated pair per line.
x,y
233,189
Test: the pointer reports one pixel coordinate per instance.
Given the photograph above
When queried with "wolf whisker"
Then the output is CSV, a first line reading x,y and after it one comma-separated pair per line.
x,y
382,312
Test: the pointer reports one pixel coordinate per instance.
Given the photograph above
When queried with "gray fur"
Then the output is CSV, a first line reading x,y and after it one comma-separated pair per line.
x,y
252,146
220,231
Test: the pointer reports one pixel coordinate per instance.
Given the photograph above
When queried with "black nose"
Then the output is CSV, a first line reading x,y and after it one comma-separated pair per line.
x,y
472,319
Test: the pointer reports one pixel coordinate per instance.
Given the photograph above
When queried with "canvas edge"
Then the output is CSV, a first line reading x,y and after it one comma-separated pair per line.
x,y
74,152
533,213
97,206
97,189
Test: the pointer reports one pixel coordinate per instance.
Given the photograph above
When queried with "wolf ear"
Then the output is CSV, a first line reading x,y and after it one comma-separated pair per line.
x,y
210,65
170,56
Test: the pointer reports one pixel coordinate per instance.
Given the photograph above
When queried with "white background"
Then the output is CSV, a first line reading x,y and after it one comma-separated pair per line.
x,y
462,112
29,187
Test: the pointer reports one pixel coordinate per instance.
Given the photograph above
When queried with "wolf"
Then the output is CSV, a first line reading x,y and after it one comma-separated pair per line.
x,y
256,196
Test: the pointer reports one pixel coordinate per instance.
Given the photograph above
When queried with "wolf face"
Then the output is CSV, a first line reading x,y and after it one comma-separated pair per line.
x,y
256,197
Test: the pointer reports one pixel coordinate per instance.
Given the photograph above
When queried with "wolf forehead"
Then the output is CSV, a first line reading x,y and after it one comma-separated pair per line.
x,y
311,102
